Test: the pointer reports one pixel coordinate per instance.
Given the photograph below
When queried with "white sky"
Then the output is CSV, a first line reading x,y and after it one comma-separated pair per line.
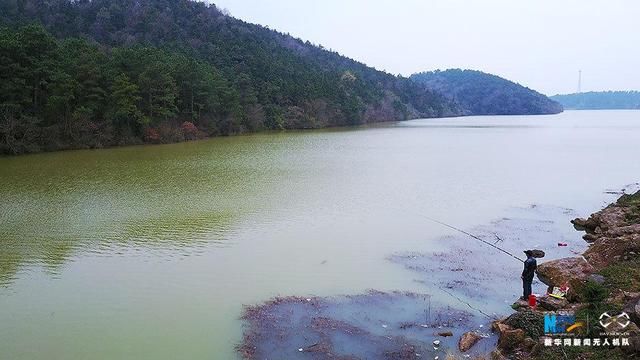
x,y
539,43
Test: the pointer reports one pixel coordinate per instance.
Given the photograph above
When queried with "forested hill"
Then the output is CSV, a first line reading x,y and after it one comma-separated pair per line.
x,y
600,100
94,73
479,93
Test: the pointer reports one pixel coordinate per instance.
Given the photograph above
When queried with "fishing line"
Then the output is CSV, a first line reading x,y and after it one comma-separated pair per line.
x,y
473,236
469,305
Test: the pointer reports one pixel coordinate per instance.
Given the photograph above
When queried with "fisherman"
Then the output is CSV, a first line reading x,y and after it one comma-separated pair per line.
x,y
530,266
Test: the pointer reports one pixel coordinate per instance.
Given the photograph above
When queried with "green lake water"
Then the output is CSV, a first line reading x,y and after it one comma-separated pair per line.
x,y
150,252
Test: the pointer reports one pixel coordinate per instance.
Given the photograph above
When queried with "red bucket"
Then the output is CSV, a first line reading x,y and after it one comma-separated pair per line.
x,y
532,301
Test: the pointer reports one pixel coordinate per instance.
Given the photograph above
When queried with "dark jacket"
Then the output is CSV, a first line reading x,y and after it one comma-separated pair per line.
x,y
530,266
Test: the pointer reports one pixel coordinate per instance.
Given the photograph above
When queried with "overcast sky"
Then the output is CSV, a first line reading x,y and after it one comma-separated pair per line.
x,y
539,43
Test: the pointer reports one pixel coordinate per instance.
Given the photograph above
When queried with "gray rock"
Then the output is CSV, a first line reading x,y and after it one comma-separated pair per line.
x,y
634,343
552,304
597,278
632,307
588,225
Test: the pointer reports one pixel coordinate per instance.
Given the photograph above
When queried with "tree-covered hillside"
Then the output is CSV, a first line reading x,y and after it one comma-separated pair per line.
x,y
600,100
478,93
77,74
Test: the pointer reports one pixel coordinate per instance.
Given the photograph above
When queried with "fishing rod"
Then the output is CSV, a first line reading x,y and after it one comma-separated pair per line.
x,y
473,236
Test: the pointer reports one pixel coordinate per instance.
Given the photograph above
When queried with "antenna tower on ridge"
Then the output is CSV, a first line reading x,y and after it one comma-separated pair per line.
x,y
579,81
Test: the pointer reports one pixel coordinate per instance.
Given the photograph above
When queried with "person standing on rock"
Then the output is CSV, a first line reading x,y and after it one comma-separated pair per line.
x,y
529,271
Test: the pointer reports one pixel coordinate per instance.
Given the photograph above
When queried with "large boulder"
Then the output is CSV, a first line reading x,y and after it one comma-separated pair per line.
x,y
572,271
467,340
607,250
607,220
613,216
588,225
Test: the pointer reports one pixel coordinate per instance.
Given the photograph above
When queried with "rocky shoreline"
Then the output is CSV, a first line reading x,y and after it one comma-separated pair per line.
x,y
606,277
602,273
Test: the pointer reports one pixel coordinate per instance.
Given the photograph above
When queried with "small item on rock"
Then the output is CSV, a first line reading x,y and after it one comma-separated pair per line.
x,y
560,292
562,244
538,254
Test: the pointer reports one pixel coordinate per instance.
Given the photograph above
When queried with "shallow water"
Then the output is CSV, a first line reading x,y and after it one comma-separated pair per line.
x,y
149,252
374,325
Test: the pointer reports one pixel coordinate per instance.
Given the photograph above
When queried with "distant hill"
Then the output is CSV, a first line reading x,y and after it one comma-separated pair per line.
x,y
600,100
77,74
479,93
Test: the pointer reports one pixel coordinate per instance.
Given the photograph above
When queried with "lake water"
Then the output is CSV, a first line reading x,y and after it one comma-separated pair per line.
x,y
150,252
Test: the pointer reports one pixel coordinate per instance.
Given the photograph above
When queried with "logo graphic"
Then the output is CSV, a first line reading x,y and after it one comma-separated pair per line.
x,y
560,323
609,320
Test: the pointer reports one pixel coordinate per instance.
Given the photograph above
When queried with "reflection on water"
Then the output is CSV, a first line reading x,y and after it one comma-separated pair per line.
x,y
150,252
172,235
172,198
